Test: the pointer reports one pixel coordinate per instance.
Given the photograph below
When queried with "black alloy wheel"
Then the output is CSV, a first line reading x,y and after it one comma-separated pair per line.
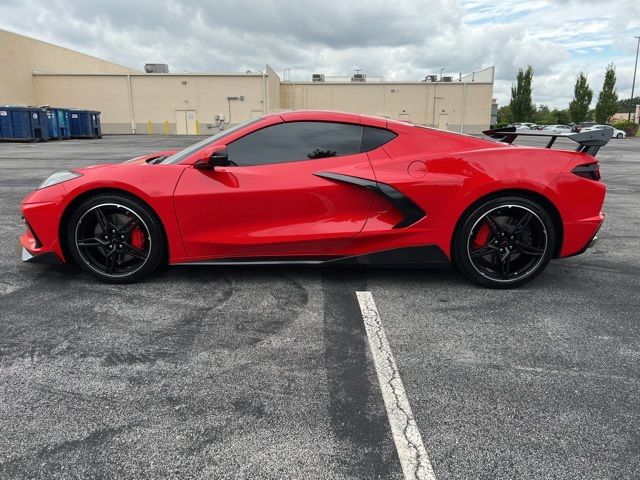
x,y
505,242
115,238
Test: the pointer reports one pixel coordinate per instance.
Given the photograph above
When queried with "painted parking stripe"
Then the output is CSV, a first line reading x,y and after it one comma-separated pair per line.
x,y
406,435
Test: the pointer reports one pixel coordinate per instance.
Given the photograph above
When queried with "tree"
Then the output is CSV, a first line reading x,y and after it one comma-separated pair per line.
x,y
627,105
504,115
562,116
582,96
608,98
541,115
521,103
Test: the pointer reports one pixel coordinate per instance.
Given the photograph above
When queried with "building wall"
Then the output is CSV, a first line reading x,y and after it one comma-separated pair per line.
x,y
635,116
456,106
20,56
273,92
155,98
38,73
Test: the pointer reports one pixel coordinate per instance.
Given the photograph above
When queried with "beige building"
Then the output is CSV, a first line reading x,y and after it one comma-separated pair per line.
x,y
131,101
461,106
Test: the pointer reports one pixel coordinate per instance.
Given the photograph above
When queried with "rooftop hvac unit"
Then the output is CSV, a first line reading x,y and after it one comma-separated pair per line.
x,y
317,77
359,77
431,78
156,68
447,79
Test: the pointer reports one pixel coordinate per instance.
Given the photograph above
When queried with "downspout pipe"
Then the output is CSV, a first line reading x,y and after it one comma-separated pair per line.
x,y
131,115
464,106
264,93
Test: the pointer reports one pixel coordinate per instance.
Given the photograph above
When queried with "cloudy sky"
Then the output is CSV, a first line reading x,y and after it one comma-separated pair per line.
x,y
399,39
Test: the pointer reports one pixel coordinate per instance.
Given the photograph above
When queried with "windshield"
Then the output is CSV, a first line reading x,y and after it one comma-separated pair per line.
x,y
182,154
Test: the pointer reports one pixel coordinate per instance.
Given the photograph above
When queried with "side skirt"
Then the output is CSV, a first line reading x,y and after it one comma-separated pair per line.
x,y
408,257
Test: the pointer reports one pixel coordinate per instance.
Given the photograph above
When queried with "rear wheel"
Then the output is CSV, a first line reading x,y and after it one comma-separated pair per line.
x,y
115,238
619,136
504,242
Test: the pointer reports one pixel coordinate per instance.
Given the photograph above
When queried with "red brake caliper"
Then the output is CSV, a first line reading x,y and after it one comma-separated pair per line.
x,y
482,237
137,238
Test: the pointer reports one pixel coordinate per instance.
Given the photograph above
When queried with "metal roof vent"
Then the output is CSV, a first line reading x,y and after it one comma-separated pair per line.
x,y
156,68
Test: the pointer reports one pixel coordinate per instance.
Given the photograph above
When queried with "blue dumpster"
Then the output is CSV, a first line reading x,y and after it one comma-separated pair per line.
x,y
63,122
85,124
58,123
23,124
39,123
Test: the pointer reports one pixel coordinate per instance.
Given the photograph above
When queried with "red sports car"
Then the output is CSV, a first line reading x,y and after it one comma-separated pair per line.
x,y
311,187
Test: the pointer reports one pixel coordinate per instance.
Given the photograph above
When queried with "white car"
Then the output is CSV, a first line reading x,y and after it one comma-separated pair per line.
x,y
616,133
557,128
525,126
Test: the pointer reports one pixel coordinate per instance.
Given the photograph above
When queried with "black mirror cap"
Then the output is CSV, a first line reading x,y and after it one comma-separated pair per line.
x,y
219,159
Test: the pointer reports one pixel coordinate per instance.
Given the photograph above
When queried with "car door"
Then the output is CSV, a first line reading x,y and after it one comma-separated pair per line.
x,y
270,201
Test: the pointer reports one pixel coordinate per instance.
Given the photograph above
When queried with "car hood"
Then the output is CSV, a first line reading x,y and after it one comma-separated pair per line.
x,y
149,157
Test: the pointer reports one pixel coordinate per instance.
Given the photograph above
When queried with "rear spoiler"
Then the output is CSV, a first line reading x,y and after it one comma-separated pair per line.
x,y
588,142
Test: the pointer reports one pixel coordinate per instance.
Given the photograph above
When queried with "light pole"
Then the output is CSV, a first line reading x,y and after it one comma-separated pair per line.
x,y
634,78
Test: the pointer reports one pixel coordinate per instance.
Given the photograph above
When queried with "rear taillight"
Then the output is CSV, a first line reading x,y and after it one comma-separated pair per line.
x,y
588,170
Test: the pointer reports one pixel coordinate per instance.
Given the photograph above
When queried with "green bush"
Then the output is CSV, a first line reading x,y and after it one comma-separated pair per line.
x,y
630,128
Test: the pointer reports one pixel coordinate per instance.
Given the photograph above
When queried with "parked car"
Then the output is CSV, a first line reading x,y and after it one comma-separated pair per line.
x,y
311,188
557,128
579,126
616,133
525,126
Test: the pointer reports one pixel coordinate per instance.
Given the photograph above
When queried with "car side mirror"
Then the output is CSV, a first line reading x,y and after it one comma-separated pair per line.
x,y
217,158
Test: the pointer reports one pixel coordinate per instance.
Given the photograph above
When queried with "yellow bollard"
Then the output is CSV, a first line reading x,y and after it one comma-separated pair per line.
x,y
149,128
165,127
197,127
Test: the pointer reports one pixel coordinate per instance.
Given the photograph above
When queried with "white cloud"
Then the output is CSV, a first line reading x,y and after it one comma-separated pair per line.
x,y
399,40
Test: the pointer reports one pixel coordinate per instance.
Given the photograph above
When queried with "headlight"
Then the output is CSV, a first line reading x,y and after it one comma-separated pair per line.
x,y
58,177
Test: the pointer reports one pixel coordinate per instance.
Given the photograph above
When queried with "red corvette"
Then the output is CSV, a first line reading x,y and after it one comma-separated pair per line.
x,y
326,188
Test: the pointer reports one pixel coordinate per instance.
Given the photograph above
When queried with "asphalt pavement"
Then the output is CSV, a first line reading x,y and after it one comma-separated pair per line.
x,y
247,373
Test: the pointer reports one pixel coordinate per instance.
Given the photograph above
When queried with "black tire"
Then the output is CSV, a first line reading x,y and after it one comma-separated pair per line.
x,y
619,136
130,247
504,242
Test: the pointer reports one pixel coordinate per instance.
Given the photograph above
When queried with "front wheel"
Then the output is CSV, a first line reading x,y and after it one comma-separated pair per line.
x,y
504,242
115,238
619,136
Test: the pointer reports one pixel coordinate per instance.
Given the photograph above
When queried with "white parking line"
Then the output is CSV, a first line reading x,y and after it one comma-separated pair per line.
x,y
411,450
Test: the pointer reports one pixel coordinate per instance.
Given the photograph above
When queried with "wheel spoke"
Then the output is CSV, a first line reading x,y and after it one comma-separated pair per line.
x,y
91,242
128,227
529,249
110,264
495,228
102,220
522,223
505,265
482,251
134,251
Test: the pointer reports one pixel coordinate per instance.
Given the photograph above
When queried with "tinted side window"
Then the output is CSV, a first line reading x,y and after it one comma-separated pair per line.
x,y
296,141
375,137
